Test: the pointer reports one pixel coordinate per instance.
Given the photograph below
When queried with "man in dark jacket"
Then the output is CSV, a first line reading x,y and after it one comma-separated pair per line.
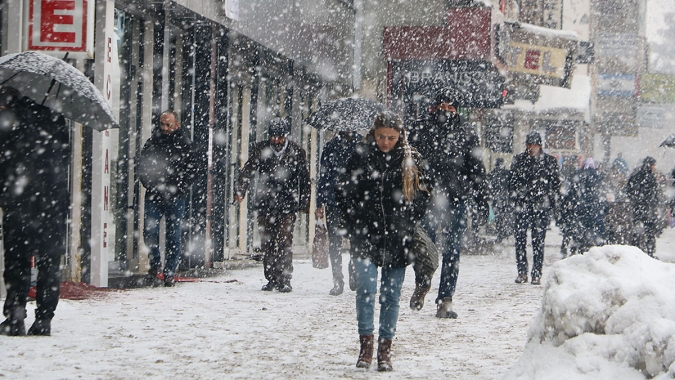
x,y
452,154
535,186
333,160
34,195
165,169
645,194
283,189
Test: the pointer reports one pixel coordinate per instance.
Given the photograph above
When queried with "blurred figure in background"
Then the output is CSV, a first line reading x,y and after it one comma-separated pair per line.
x,y
498,185
644,193
589,203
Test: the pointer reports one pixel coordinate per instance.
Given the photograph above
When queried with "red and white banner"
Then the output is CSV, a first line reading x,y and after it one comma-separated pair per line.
x,y
60,25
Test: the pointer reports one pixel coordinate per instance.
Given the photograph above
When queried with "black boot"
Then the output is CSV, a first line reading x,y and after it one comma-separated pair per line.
x,y
338,288
14,325
384,355
417,299
41,327
151,279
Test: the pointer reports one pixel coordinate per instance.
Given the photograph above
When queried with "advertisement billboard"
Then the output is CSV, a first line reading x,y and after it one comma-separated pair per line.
x,y
61,26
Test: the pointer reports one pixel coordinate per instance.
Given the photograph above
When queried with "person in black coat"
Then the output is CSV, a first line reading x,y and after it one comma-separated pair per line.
x,y
283,189
535,187
645,194
588,204
166,169
451,151
34,195
333,160
383,194
498,184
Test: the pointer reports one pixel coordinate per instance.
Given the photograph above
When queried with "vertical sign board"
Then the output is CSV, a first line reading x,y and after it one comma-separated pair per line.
x,y
100,192
61,25
232,9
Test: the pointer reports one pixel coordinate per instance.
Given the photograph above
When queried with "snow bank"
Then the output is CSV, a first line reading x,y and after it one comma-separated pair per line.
x,y
607,314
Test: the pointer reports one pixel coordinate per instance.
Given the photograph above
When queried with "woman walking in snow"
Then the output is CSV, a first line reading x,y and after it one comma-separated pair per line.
x,y
382,194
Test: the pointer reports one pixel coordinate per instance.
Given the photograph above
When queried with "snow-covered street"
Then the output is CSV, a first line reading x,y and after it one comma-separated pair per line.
x,y
217,329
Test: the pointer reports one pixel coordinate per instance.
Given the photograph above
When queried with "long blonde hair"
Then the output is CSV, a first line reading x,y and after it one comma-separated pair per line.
x,y
409,170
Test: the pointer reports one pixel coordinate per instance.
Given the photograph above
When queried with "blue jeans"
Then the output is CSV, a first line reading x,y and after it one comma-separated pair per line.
x,y
451,218
390,294
157,207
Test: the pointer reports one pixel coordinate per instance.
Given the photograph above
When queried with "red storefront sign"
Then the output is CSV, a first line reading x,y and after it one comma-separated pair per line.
x,y
58,25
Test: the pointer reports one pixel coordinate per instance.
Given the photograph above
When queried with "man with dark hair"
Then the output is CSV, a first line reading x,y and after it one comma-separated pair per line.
x,y
165,169
451,152
282,190
34,196
535,186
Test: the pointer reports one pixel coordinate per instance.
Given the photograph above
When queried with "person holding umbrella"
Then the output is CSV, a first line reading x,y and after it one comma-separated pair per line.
x,y
282,190
383,194
34,195
333,160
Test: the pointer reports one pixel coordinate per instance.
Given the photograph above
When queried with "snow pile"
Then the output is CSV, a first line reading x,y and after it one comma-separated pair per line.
x,y
607,314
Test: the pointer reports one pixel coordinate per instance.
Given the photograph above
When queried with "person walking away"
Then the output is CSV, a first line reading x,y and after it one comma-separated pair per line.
x,y
383,194
333,160
589,206
34,196
450,149
498,185
283,189
166,168
565,209
644,194
535,186
618,221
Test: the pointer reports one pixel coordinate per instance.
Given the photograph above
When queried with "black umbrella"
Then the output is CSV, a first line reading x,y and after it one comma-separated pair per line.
x,y
669,142
55,84
345,115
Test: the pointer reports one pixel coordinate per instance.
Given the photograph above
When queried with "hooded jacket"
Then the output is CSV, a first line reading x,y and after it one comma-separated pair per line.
x,y
380,221
283,184
166,165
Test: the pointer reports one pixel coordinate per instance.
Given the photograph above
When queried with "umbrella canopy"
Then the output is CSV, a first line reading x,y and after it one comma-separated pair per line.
x,y
54,83
669,142
345,115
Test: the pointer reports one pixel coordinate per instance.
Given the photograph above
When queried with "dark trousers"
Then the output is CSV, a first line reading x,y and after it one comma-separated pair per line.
x,y
276,240
333,225
451,219
644,236
536,221
172,210
42,235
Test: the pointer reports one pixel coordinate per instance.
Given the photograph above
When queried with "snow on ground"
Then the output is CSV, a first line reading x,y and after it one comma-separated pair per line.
x,y
215,329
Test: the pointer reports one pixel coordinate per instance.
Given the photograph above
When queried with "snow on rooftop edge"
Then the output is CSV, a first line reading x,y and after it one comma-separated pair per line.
x,y
607,314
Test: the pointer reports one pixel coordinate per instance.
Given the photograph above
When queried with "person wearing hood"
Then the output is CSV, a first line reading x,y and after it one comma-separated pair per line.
x,y
535,188
165,169
34,196
452,158
645,195
283,189
383,193
333,160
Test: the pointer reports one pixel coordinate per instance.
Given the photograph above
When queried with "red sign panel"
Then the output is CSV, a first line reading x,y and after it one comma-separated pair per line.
x,y
58,25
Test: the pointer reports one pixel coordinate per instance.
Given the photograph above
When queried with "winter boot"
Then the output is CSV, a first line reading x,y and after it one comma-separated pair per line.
x,y
338,288
14,325
444,309
269,286
521,279
384,355
366,353
417,299
169,281
152,278
536,280
285,287
42,327
352,276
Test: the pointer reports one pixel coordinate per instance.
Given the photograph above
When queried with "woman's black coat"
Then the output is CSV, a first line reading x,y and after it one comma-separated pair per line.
x,y
379,221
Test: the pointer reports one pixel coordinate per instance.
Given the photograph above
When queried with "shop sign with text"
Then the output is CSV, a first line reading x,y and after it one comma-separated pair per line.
x,y
61,26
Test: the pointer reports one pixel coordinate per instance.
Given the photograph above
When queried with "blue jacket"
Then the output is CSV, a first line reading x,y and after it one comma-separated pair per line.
x,y
333,161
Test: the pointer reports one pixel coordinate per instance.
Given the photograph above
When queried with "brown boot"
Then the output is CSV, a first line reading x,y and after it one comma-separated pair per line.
x,y
417,299
384,355
366,354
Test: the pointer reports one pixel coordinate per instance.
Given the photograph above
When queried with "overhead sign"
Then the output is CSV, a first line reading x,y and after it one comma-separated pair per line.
x,y
536,55
624,48
412,85
61,25
232,9
622,85
656,115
